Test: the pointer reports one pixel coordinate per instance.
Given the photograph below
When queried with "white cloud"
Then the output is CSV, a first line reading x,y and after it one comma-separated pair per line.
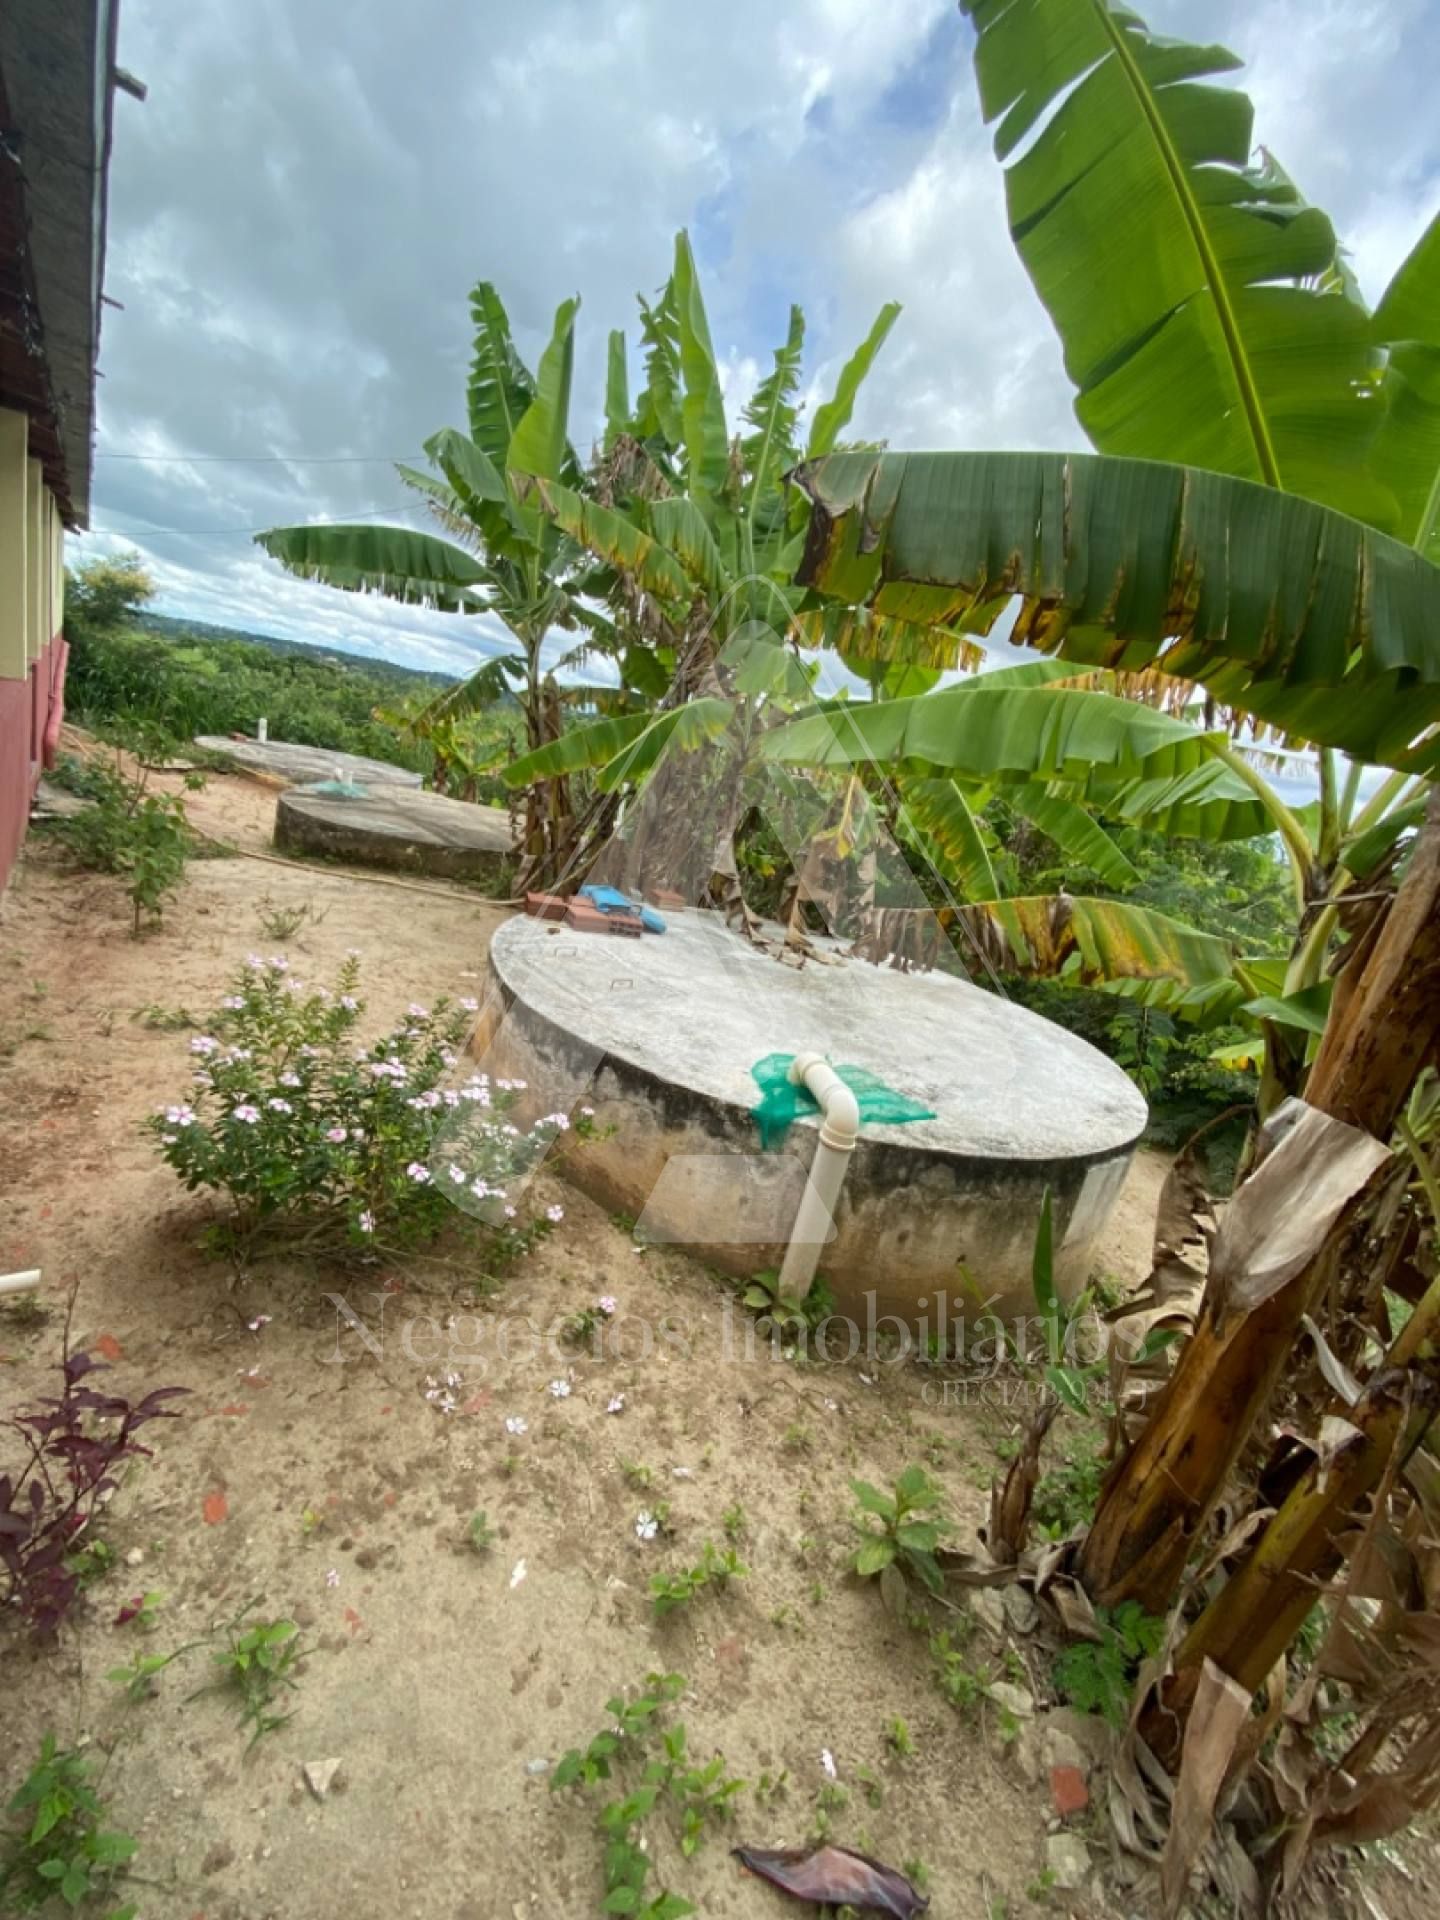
x,y
299,208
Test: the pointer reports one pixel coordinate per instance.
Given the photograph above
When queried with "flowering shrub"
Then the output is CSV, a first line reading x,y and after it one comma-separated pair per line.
x,y
314,1139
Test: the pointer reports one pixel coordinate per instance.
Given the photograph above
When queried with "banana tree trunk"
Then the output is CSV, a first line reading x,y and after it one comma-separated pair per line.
x,y
1157,1500
1260,1610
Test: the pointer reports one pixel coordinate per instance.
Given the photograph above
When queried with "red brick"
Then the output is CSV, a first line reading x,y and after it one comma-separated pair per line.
x,y
1068,1791
585,918
546,906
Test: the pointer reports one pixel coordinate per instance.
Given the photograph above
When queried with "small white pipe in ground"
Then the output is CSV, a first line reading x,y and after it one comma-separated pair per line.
x,y
814,1217
262,729
20,1282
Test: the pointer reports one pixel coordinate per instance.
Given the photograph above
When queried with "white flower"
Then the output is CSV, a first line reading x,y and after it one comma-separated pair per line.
x,y
279,962
253,961
509,1213
366,1222
260,1320
180,1116
291,1080
233,1002
202,1043
617,1404
167,1139
559,1121
607,1304
202,1079
419,1173
589,1112
517,1573
451,1097
646,1526
560,1389
417,1012
352,953
279,1106
827,1761
516,1423
457,1174
468,1003
557,1214
249,1115
335,1135
349,1003
332,1577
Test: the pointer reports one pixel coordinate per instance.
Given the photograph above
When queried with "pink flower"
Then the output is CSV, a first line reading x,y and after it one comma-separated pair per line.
x,y
366,1222
557,1214
335,1135
248,1115
332,1577
606,1304
419,1173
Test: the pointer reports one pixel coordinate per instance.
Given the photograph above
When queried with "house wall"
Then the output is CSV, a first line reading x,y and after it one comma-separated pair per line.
x,y
32,652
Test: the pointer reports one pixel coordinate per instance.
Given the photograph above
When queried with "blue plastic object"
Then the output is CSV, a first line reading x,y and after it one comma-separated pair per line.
x,y
611,900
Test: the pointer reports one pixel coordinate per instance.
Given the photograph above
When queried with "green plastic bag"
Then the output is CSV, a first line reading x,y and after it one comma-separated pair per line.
x,y
782,1103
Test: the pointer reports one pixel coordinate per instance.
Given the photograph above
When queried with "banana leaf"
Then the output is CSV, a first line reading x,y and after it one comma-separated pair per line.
x,y
982,731
416,568
1197,297
1281,608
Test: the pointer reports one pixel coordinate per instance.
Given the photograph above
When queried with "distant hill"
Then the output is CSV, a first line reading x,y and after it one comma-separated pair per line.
x,y
199,633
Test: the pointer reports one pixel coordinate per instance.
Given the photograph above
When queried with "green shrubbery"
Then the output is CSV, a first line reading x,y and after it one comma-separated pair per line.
x,y
314,1140
129,669
128,830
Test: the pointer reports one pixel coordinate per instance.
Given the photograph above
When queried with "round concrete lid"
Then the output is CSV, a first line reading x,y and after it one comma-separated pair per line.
x,y
398,813
289,761
697,1006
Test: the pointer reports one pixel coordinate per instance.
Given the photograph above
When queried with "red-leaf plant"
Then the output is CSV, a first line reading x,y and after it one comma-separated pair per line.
x,y
75,1442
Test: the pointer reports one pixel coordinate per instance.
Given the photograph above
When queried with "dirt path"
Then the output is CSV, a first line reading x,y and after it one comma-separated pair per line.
x,y
312,1471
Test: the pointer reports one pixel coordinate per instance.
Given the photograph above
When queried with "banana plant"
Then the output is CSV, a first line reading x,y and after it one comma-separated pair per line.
x,y
692,530
1207,317
1231,337
1067,753
501,556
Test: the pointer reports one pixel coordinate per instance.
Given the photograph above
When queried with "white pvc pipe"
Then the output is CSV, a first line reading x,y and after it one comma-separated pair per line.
x,y
20,1282
815,1216
262,729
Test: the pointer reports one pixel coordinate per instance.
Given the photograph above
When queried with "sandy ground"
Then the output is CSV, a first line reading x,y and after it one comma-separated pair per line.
x,y
312,1471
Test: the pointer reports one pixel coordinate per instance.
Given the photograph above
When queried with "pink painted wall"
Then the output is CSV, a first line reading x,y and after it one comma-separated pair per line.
x,y
30,715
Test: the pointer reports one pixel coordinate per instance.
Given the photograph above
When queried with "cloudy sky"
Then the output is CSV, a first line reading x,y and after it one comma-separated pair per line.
x,y
298,211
